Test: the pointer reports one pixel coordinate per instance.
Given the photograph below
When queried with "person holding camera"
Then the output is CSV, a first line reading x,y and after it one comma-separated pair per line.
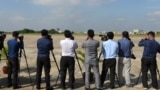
x,y
44,45
13,63
124,61
110,51
91,59
68,47
148,61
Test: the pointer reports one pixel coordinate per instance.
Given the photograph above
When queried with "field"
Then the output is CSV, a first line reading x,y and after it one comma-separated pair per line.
x,y
31,52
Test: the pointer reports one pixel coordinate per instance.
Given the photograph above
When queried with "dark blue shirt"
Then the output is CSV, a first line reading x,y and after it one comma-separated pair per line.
x,y
125,47
44,45
151,47
13,47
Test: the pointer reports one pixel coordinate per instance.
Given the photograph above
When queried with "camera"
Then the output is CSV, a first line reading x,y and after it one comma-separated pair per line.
x,y
49,37
72,37
21,38
103,37
2,38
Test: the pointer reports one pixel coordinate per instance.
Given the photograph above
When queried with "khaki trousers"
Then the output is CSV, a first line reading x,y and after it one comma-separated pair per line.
x,y
124,64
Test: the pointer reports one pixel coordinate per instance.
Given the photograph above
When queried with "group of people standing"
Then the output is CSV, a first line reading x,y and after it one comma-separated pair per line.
x,y
110,50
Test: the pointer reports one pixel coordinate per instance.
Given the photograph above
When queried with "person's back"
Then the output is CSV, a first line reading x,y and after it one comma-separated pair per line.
x,y
124,60
44,45
125,46
67,61
13,48
13,63
68,47
151,47
91,50
148,61
110,52
110,49
91,59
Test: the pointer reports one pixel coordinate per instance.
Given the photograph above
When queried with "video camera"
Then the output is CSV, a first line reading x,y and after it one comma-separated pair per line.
x,y
103,37
20,38
2,38
49,37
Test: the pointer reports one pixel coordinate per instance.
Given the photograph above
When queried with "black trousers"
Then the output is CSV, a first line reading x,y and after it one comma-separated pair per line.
x,y
43,62
108,63
13,66
149,64
67,62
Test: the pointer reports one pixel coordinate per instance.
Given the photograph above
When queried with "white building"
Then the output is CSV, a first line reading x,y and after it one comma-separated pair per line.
x,y
138,31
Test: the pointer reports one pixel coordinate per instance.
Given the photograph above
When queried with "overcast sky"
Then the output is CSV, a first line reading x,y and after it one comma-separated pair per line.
x,y
80,15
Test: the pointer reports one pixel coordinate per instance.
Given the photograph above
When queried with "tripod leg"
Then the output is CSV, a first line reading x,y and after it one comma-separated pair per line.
x,y
138,77
79,64
117,79
99,56
57,79
5,52
57,67
28,69
158,72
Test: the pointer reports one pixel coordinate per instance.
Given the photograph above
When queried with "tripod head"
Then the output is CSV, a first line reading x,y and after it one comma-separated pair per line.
x,y
2,38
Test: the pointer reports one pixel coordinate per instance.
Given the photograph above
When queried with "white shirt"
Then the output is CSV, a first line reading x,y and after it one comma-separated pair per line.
x,y
68,47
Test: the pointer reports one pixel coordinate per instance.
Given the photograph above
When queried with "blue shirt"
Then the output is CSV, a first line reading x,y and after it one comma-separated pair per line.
x,y
13,47
125,47
151,47
109,49
44,45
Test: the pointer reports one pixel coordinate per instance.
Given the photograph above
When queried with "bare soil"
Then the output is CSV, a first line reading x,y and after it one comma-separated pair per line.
x,y
30,41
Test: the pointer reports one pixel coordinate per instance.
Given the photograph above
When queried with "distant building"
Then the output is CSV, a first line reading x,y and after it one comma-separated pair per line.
x,y
158,32
138,31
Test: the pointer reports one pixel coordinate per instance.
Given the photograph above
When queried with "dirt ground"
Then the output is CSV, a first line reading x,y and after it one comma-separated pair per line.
x,y
31,53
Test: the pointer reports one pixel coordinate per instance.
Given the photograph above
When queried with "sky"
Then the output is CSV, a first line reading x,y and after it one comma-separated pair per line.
x,y
80,15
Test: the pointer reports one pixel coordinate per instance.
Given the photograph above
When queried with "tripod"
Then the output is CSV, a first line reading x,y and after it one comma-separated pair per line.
x,y
59,69
56,65
141,72
5,52
22,50
79,64
115,72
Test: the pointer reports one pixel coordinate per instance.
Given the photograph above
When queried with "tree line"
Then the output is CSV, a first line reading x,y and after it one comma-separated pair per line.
x,y
26,30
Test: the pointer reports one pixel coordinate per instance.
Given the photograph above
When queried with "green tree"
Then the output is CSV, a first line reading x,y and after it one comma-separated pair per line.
x,y
53,31
26,31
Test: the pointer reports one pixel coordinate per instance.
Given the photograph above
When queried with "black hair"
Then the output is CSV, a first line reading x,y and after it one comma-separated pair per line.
x,y
125,34
151,33
110,35
15,33
44,32
90,33
67,34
